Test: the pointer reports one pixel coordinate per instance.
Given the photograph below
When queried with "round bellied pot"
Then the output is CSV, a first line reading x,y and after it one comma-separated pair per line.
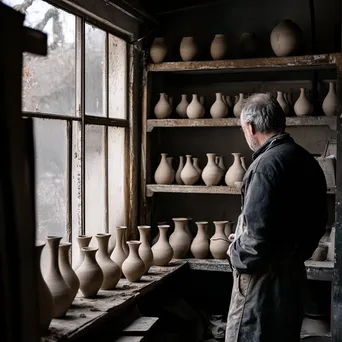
x,y
219,242
162,250
188,49
158,50
164,173
200,245
145,251
236,172
212,173
133,267
180,240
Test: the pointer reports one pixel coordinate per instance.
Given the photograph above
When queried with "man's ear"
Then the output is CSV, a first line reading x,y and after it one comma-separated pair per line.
x,y
251,128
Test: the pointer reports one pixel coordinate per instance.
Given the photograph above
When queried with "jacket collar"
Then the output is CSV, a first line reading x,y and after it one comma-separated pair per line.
x,y
276,139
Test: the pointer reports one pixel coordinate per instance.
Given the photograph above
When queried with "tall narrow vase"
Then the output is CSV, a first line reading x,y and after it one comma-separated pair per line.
x,y
145,251
180,240
219,242
162,109
219,109
83,241
200,245
189,174
111,271
182,106
238,106
162,250
158,50
211,174
119,255
179,170
133,267
46,305
60,290
330,101
67,272
236,172
90,273
282,103
164,173
195,110
303,106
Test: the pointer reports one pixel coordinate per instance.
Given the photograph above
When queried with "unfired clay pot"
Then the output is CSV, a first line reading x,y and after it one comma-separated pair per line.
x,y
219,242
188,49
330,101
179,170
248,45
286,38
83,241
238,106
200,245
211,174
189,174
90,273
46,305
303,106
236,172
133,267
164,173
119,255
162,250
158,50
282,103
179,239
243,163
67,272
145,251
220,164
162,109
60,290
195,110
182,106
229,228
219,109
218,48
195,163
111,271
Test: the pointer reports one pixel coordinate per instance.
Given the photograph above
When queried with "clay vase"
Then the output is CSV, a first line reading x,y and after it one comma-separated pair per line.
x,y
60,290
303,106
200,245
243,163
236,172
196,165
158,50
124,240
90,273
119,255
330,101
221,165
229,228
164,173
189,174
195,110
67,272
219,242
331,246
83,241
133,267
188,49
211,174
280,98
218,48
45,300
286,38
111,271
219,109
162,109
320,253
248,45
182,106
238,107
162,250
179,170
145,251
169,160
179,239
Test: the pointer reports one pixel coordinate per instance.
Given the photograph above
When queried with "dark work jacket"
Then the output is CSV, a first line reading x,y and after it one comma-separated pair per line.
x,y
283,217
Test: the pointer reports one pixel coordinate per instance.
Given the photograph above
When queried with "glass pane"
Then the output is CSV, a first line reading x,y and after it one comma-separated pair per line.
x,y
95,72
95,206
117,68
51,180
49,82
116,178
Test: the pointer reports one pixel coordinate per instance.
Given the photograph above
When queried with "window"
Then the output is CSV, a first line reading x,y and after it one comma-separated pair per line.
x,y
77,96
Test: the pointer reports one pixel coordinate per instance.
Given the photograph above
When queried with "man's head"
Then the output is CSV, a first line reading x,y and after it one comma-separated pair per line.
x,y
261,118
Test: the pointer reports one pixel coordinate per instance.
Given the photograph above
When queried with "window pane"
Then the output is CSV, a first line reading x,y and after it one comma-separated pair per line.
x,y
95,206
95,73
117,66
116,178
51,180
49,82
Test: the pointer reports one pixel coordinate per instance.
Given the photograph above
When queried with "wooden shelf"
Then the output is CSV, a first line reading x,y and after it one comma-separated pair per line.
x,y
191,189
256,64
232,122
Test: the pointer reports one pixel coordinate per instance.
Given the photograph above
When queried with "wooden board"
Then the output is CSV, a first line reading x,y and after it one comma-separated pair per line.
x,y
130,339
140,326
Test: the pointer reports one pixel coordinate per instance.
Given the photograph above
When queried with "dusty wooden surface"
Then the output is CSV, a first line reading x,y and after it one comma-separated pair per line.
x,y
232,122
140,326
130,339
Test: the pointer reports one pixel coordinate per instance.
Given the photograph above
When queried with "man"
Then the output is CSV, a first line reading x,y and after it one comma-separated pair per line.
x,y
282,220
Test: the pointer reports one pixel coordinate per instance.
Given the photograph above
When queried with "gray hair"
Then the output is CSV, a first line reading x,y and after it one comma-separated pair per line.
x,y
264,113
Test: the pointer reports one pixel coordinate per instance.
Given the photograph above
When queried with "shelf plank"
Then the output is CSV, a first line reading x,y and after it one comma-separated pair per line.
x,y
233,122
294,62
191,189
